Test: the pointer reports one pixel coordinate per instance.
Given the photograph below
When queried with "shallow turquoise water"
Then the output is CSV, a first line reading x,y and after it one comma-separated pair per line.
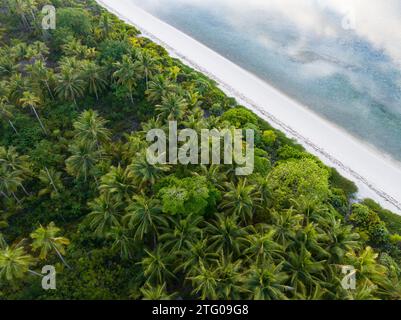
x,y
342,76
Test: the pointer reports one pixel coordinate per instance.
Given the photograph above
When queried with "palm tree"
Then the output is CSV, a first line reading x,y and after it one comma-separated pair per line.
x,y
21,8
105,215
267,282
30,100
147,64
261,247
340,240
240,200
10,181
6,112
117,183
230,278
368,270
16,167
159,86
196,253
90,128
172,107
145,173
51,179
104,24
156,265
70,85
225,234
183,233
205,282
303,270
14,263
17,85
47,239
144,216
127,74
16,162
40,73
158,292
122,241
285,223
83,160
94,76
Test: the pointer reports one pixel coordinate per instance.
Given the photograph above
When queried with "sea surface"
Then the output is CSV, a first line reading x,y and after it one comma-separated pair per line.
x,y
342,61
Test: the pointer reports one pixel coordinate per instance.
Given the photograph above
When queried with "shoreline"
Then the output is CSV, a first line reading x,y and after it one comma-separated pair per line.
x,y
334,146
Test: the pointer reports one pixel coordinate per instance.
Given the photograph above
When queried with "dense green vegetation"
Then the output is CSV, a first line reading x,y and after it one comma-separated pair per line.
x,y
77,191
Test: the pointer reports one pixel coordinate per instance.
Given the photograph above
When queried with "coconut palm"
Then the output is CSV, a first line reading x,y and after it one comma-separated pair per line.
x,y
340,240
6,112
147,65
285,223
158,87
261,247
225,234
182,233
105,215
17,85
267,282
127,74
144,216
30,100
117,183
94,77
82,162
90,128
368,270
205,282
172,107
240,200
70,85
303,270
47,239
122,241
196,253
156,265
37,50
230,278
51,179
14,263
10,181
145,173
158,292
41,74
14,161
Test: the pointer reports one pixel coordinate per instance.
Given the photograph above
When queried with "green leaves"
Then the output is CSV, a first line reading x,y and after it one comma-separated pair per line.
x,y
189,195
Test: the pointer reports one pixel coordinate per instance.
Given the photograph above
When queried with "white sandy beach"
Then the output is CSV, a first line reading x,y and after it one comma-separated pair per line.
x,y
376,176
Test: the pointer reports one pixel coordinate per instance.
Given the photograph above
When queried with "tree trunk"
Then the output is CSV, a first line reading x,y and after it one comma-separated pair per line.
x,y
35,273
16,198
12,126
40,121
25,191
4,195
48,89
61,257
51,180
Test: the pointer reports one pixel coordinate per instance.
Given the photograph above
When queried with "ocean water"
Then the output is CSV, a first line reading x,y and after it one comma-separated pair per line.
x,y
343,60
